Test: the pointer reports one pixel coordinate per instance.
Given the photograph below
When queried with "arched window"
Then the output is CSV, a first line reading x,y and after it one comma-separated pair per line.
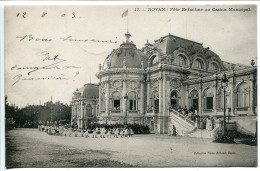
x,y
155,60
243,95
116,100
174,99
220,98
213,67
198,63
89,110
194,103
132,96
172,60
181,60
208,98
155,100
78,110
103,102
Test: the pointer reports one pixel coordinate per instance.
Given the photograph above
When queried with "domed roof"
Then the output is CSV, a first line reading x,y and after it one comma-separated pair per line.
x,y
90,91
126,56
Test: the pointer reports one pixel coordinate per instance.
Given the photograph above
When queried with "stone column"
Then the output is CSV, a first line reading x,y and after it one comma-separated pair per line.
x,y
200,101
160,122
164,93
215,99
232,97
168,95
94,107
81,114
77,110
251,96
99,98
78,113
148,92
107,97
160,96
124,102
187,100
165,104
72,112
84,117
142,97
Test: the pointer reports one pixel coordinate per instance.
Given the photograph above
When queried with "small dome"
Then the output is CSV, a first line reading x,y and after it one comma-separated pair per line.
x,y
90,91
127,55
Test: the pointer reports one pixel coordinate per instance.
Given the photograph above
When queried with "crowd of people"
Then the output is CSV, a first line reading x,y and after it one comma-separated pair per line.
x,y
87,133
203,122
191,114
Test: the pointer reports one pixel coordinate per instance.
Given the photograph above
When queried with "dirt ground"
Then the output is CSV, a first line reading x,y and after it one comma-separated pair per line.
x,y
27,148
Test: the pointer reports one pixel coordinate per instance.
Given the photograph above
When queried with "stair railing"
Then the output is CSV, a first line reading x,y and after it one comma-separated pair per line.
x,y
185,118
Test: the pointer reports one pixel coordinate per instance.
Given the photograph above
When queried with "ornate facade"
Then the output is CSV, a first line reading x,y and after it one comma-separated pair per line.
x,y
140,86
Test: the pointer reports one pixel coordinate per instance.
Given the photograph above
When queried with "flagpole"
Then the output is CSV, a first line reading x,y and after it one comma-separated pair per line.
x,y
170,26
90,76
127,22
125,14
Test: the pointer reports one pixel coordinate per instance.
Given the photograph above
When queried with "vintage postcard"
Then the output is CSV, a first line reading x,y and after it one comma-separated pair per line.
x,y
130,86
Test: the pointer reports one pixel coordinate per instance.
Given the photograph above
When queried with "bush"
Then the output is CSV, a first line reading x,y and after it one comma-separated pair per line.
x,y
220,137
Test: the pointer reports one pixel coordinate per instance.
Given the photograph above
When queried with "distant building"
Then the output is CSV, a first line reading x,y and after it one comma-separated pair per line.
x,y
141,86
84,105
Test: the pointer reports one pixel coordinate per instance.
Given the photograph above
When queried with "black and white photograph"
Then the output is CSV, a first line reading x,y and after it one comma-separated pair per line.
x,y
123,86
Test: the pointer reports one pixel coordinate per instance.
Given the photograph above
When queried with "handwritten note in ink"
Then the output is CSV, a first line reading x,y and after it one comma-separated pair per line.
x,y
51,50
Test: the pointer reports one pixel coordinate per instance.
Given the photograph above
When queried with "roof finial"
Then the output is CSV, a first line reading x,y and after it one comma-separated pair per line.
x,y
127,36
147,43
252,62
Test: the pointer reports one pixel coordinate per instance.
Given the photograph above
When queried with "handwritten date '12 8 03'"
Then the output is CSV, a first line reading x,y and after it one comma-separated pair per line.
x,y
44,14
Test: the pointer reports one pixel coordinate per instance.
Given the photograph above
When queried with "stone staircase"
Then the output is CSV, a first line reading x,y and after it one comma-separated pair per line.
x,y
184,126
187,127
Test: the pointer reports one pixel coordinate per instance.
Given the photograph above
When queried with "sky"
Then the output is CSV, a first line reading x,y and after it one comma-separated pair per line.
x,y
37,36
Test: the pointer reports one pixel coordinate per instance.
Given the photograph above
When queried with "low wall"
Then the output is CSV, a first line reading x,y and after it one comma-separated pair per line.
x,y
245,125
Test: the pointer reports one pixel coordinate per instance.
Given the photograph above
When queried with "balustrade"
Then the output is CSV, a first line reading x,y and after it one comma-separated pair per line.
x,y
183,117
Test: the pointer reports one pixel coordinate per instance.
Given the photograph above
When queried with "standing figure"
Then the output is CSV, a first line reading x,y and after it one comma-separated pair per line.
x,y
42,128
74,133
128,132
64,132
125,132
122,132
69,132
210,124
86,134
174,132
116,133
49,130
109,133
80,133
102,132
95,133
131,132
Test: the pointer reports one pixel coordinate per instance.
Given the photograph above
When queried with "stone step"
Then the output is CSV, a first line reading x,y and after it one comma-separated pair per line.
x,y
202,133
183,128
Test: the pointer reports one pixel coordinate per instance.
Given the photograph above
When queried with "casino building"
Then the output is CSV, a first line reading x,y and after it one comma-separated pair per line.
x,y
144,85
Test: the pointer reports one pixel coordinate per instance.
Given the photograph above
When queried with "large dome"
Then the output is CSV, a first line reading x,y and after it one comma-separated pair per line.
x,y
126,56
90,91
